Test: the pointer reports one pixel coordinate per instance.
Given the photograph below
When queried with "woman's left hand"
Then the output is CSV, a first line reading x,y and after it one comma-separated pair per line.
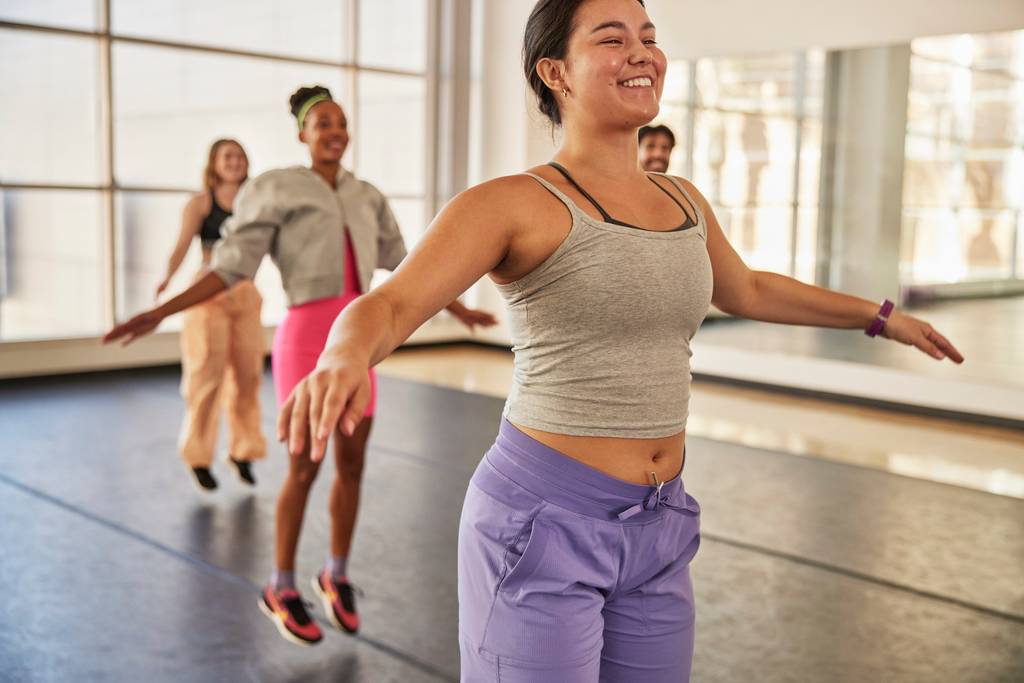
x,y
909,330
472,317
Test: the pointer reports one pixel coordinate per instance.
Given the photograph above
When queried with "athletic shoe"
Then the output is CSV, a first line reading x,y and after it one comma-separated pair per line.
x,y
288,612
203,479
339,599
243,469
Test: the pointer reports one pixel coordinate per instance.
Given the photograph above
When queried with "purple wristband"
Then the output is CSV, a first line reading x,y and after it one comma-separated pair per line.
x,y
878,324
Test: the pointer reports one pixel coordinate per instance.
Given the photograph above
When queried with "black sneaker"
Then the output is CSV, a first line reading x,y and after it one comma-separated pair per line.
x,y
204,480
243,469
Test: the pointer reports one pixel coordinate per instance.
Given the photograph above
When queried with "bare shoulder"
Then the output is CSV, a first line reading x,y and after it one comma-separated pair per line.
x,y
508,198
198,204
692,190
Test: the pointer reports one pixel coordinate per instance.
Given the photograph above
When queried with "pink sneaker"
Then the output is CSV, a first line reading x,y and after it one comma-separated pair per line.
x,y
339,600
286,609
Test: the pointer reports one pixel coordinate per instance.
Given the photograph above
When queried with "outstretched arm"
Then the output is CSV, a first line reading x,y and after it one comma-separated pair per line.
x,y
761,295
147,321
469,241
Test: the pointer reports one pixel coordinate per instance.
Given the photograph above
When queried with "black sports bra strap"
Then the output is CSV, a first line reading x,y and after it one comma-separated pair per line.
x,y
689,221
561,169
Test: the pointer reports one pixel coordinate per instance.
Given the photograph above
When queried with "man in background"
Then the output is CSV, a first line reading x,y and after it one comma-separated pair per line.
x,y
656,143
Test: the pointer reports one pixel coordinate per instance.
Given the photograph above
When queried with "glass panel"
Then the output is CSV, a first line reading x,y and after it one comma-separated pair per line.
x,y
810,163
945,246
930,172
411,221
751,84
80,14
677,84
391,133
51,270
393,34
994,108
762,236
315,29
49,81
814,86
937,100
806,243
987,238
993,51
171,104
744,161
147,225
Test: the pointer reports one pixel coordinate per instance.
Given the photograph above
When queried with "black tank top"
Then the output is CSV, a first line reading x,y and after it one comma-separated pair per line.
x,y
209,231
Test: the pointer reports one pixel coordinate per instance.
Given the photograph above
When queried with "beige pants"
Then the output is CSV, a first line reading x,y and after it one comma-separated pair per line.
x,y
222,360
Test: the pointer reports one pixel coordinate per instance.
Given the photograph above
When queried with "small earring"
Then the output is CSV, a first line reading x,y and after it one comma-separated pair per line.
x,y
565,93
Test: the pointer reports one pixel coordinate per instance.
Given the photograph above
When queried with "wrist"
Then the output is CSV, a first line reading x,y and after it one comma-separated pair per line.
x,y
878,322
340,354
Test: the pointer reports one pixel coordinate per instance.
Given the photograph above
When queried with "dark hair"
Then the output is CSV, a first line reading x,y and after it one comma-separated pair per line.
x,y
210,177
655,130
547,35
302,95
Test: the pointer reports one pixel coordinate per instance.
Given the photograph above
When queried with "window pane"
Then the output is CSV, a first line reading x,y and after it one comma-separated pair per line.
x,y
806,243
314,29
930,175
814,85
762,236
393,34
80,14
391,133
810,163
147,225
411,221
171,104
52,81
51,276
752,84
937,99
744,161
677,84
943,246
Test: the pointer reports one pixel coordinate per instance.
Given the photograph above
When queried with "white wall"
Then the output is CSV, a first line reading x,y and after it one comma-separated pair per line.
x,y
699,28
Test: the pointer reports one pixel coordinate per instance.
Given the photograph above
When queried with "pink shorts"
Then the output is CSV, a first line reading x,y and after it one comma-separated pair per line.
x,y
300,339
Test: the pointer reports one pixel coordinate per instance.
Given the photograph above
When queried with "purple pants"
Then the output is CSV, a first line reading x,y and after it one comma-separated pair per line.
x,y
570,575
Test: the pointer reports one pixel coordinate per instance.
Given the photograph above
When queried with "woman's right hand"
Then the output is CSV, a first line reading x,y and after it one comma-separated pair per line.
x,y
161,287
337,391
139,326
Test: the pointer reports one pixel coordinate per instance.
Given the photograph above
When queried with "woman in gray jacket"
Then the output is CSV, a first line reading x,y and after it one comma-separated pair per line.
x,y
326,231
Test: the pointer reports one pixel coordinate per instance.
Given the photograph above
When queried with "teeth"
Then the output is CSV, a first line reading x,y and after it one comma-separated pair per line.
x,y
642,82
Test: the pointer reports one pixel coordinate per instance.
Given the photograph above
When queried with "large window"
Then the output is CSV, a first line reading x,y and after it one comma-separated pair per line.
x,y
749,136
106,123
964,179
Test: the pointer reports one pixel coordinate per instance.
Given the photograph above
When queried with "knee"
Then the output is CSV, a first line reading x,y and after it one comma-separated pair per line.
x,y
350,465
302,470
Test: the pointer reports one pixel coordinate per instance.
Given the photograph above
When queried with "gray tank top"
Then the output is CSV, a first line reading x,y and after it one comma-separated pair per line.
x,y
601,329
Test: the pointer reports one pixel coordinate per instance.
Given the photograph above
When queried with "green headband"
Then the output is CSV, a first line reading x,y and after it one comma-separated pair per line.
x,y
307,105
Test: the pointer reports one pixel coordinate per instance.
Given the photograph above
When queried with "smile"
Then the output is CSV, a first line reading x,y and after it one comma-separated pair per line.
x,y
641,82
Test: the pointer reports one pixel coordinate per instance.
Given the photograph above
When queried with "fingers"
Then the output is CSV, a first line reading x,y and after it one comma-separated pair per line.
x,y
330,413
298,422
922,342
946,347
284,417
356,407
316,385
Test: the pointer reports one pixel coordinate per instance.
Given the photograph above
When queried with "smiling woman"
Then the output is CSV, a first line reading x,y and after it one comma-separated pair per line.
x,y
327,231
576,534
